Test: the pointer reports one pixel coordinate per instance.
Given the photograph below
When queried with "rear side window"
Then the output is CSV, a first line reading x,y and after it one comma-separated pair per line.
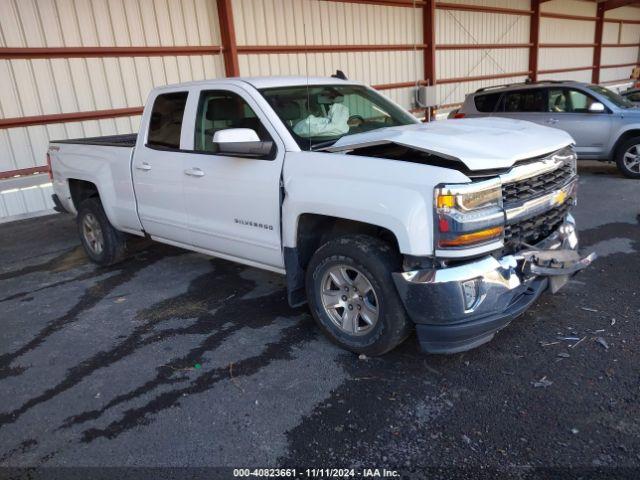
x,y
165,125
530,100
487,103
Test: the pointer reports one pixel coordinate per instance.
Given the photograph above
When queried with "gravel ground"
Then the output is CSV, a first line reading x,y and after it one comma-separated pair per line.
x,y
173,359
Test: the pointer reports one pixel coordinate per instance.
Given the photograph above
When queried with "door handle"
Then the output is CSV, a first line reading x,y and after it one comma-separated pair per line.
x,y
194,172
552,121
144,166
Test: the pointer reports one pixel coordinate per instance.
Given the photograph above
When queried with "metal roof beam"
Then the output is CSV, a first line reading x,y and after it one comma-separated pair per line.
x,y
611,4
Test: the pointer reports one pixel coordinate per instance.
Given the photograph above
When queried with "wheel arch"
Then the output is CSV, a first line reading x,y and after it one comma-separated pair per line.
x,y
626,135
312,230
81,190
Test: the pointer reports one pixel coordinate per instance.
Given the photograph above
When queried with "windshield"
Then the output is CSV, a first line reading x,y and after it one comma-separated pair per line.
x,y
613,97
318,116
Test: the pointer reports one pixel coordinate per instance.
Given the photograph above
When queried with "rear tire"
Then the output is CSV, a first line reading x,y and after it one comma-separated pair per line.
x,y
102,243
628,158
372,320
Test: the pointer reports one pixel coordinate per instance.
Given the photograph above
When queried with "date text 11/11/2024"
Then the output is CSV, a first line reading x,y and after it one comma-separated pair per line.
x,y
315,473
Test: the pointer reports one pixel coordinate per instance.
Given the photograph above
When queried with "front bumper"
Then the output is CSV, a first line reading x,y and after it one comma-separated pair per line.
x,y
504,288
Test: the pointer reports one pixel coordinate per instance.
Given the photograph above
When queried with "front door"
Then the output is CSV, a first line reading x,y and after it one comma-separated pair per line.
x,y
157,171
233,202
569,109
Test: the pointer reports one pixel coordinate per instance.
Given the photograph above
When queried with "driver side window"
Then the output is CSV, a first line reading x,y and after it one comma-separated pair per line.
x,y
565,100
221,110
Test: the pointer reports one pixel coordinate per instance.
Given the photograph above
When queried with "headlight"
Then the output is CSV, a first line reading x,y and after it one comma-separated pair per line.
x,y
456,197
469,214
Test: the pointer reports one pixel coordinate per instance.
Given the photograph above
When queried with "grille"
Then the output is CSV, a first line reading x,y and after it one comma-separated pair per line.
x,y
535,229
532,187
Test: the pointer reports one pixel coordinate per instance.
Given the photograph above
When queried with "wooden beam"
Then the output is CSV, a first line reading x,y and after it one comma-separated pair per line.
x,y
480,8
384,3
597,51
261,49
96,52
481,46
393,86
69,117
482,77
621,65
565,70
228,38
429,39
24,171
534,39
611,4
620,22
567,45
564,16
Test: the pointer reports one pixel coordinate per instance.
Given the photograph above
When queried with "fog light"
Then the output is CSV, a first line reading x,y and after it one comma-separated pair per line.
x,y
566,229
470,289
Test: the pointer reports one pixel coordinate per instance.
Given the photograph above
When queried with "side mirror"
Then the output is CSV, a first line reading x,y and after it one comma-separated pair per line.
x,y
241,142
596,107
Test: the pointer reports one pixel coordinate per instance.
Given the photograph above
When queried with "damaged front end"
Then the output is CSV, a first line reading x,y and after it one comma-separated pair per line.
x,y
558,265
459,303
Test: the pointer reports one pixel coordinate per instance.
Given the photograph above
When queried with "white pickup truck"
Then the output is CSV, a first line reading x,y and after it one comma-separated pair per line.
x,y
378,221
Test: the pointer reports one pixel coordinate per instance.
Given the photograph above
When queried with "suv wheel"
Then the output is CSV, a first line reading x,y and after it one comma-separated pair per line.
x,y
103,244
628,158
352,295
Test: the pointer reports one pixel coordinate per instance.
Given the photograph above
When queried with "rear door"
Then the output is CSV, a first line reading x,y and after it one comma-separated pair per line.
x,y
526,104
157,170
233,202
569,109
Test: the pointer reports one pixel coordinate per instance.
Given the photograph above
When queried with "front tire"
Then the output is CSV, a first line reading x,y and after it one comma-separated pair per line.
x,y
102,243
628,158
352,296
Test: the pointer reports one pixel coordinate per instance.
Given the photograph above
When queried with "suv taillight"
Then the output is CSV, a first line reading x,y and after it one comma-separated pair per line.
x,y
459,115
49,166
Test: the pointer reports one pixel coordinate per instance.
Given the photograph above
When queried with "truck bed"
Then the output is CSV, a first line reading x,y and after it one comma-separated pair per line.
x,y
106,163
126,140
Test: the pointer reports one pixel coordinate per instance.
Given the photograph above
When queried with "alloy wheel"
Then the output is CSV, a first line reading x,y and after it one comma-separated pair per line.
x,y
631,159
349,300
92,232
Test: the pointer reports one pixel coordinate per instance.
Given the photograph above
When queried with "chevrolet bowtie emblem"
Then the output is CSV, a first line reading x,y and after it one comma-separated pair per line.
x,y
560,197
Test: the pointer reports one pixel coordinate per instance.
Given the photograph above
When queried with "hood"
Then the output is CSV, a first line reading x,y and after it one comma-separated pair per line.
x,y
479,143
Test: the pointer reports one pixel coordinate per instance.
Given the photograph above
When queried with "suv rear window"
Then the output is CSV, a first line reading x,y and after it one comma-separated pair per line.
x,y
487,103
530,100
165,125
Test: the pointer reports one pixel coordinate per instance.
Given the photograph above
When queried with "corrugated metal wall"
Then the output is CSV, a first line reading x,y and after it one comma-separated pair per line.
x,y
563,31
620,33
463,27
51,86
17,201
310,22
